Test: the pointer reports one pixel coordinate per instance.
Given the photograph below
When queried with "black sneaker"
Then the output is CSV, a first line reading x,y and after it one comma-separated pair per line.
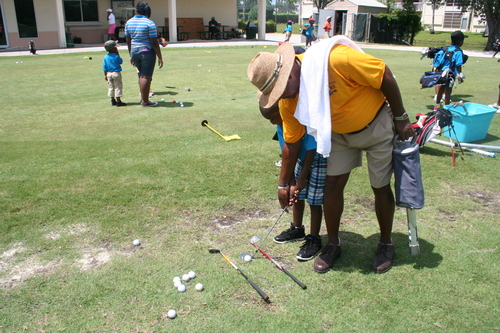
x,y
118,103
113,102
291,235
310,248
383,258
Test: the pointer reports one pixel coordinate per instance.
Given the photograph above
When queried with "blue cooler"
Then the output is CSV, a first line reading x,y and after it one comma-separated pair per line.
x,y
471,123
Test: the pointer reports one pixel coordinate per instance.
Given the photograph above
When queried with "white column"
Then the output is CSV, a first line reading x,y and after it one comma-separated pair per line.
x,y
261,17
61,29
172,20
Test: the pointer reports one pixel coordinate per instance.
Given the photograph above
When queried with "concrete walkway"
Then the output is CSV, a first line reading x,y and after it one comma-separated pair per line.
x,y
271,39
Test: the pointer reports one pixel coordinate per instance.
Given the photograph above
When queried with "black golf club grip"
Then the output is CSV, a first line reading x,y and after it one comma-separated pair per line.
x,y
303,286
261,293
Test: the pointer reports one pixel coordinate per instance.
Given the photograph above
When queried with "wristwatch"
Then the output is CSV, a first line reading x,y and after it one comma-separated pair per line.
x,y
402,117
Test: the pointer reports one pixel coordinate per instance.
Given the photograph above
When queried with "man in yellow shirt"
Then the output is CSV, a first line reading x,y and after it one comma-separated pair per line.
x,y
360,87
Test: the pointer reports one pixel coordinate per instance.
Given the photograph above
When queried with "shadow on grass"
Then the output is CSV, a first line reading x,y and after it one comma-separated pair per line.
x,y
358,252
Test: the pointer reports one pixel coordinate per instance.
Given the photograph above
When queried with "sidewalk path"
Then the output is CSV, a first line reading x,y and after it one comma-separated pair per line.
x,y
271,39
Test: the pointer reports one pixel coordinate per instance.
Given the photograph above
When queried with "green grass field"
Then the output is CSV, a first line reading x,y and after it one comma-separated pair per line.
x,y
80,180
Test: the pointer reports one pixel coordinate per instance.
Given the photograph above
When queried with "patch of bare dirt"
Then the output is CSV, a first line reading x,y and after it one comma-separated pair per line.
x,y
16,272
239,216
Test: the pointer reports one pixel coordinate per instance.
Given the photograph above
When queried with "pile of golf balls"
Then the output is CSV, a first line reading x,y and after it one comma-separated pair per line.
x,y
179,282
179,102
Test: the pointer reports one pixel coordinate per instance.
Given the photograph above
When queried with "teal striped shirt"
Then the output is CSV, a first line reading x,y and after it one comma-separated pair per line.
x,y
141,29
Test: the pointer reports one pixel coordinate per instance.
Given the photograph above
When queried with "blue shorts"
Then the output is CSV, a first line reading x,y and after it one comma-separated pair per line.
x,y
144,60
315,189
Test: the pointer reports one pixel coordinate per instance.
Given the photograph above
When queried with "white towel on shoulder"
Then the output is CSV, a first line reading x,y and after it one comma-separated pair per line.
x,y
313,107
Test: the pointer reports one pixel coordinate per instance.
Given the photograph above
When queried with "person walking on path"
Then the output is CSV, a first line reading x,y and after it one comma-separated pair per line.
x,y
112,24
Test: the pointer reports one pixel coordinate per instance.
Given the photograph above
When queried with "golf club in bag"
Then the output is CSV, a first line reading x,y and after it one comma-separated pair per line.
x,y
254,240
261,293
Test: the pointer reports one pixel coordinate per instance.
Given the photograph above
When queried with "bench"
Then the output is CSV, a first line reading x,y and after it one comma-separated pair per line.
x,y
204,34
183,35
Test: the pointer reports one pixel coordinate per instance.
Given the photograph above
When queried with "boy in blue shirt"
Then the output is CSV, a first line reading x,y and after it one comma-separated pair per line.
x,y
452,59
111,65
309,178
288,31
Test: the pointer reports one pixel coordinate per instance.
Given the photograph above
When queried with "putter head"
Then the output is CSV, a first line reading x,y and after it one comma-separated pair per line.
x,y
212,250
204,123
232,137
254,239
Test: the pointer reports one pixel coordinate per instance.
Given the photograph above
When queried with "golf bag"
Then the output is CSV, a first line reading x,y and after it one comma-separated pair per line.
x,y
407,175
430,79
431,124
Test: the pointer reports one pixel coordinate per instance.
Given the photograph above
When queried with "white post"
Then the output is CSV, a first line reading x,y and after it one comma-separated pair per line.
x,y
262,19
61,29
172,20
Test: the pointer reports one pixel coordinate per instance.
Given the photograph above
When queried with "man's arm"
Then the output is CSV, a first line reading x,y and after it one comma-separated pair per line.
x,y
289,156
306,169
391,91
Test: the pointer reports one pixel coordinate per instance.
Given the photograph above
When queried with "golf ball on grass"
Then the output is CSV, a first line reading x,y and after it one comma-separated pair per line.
x,y
185,277
247,258
171,314
198,287
181,288
192,274
177,283
137,242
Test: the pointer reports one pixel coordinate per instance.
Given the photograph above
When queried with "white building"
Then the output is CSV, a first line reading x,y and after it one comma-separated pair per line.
x,y
46,22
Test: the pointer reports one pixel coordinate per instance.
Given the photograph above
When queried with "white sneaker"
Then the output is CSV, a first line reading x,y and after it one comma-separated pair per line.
x,y
494,105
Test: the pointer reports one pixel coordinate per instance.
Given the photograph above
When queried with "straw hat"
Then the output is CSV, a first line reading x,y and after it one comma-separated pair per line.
x,y
269,72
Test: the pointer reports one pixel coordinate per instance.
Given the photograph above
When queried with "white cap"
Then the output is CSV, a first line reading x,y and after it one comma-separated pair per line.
x,y
109,10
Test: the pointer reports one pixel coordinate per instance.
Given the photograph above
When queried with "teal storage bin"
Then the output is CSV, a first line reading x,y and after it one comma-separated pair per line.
x,y
471,123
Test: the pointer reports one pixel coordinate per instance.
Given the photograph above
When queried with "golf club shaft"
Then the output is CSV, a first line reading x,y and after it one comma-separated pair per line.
x,y
213,130
281,268
261,293
272,227
176,87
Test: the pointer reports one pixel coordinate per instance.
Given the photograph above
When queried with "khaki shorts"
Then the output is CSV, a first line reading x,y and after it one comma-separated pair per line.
x,y
115,84
376,140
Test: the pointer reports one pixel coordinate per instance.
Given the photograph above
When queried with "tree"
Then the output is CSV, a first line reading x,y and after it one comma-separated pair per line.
x,y
408,6
436,4
321,4
488,10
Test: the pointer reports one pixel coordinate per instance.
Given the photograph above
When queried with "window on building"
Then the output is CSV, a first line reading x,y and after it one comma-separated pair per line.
x,y
452,20
80,10
26,20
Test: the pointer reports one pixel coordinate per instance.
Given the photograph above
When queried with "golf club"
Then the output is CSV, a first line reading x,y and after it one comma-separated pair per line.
x,y
254,240
261,293
188,89
227,138
242,255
